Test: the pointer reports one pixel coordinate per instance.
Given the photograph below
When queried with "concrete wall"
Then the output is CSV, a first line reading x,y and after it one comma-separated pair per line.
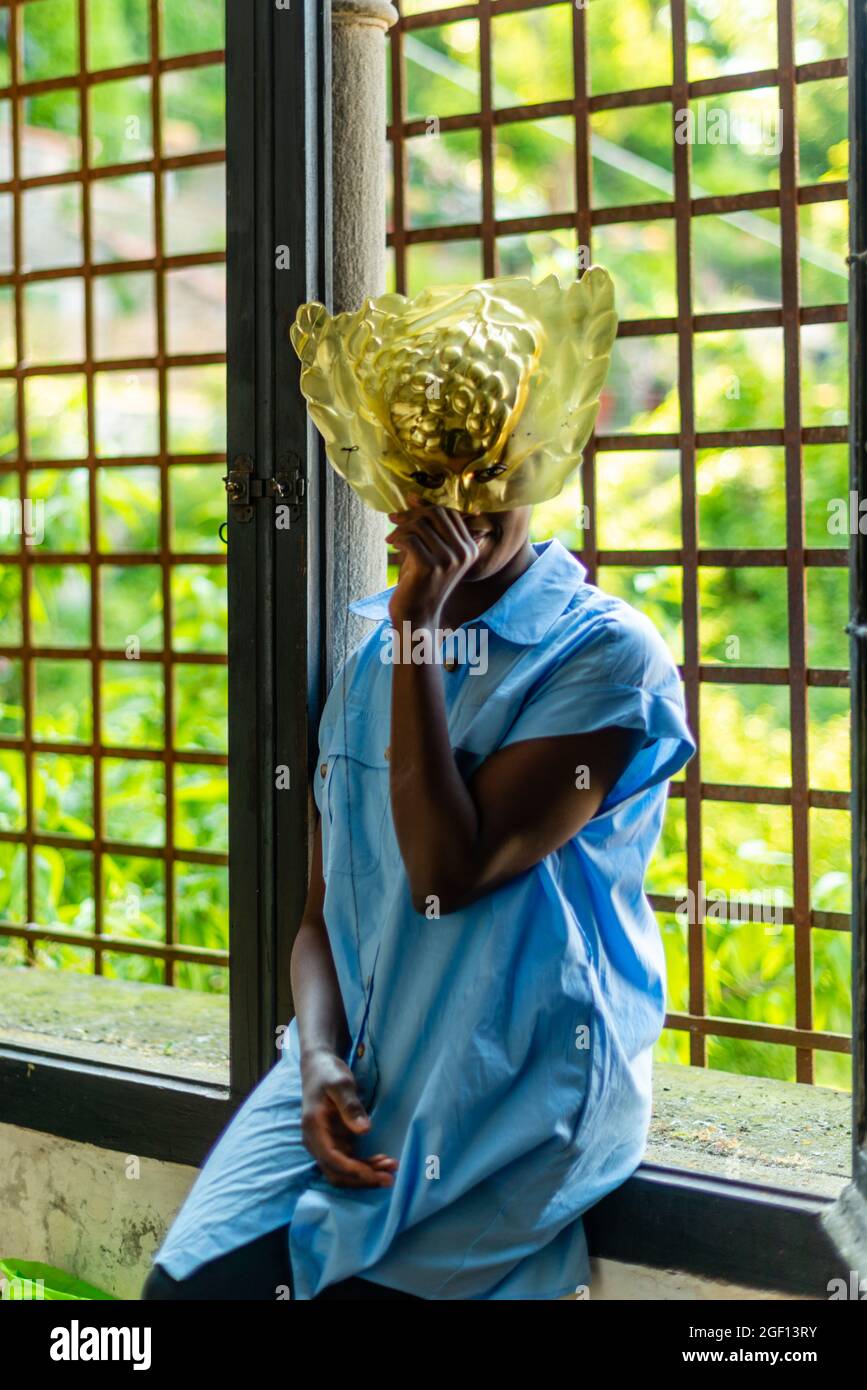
x,y
101,1215
95,1213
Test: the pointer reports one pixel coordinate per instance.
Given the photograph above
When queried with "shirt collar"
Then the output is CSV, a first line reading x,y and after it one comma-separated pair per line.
x,y
527,609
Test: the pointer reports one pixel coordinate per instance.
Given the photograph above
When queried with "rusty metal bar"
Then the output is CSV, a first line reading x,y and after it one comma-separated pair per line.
x,y
117,654
38,86
165,496
128,847
156,754
825,921
623,100
722,439
659,210
704,1026
584,256
179,262
108,171
28,669
123,945
124,557
490,256
397,237
795,537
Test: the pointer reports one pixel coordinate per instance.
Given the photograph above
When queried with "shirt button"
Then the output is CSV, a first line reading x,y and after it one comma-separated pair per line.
x,y
387,754
360,1050
323,770
450,666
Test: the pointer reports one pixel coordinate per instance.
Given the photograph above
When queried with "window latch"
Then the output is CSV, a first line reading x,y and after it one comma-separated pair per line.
x,y
243,488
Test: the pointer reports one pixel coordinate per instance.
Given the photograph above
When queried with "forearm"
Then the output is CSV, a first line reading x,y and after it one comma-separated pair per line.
x,y
435,819
319,1011
461,841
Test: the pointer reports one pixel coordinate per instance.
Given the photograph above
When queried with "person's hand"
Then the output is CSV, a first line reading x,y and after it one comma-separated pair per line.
x,y
437,550
331,1116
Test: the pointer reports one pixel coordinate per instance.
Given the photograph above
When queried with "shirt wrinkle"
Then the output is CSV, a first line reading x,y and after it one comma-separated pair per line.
x,y
504,1048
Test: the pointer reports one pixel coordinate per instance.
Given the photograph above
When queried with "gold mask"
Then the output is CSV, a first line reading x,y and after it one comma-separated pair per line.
x,y
476,397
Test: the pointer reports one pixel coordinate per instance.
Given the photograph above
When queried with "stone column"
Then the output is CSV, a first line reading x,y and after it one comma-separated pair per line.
x,y
359,148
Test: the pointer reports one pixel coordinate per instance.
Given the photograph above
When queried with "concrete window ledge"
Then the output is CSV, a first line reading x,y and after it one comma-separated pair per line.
x,y
68,1197
752,1129
741,1127
176,1032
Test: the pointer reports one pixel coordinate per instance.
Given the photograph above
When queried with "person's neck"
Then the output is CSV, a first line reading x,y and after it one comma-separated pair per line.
x,y
473,597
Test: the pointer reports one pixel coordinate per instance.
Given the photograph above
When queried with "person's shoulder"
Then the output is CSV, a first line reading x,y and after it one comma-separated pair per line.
x,y
621,643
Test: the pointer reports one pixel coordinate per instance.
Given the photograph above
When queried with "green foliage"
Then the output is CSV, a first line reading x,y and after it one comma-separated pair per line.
x,y
744,731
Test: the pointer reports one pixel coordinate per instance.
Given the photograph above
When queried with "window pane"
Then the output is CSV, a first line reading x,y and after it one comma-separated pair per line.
x,y
129,509
120,121
127,413
96,385
54,321
52,225
132,610
442,72
122,218
193,110
134,800
195,309
64,708
117,33
50,39
124,313
50,133
56,416
532,56
133,699
60,606
191,26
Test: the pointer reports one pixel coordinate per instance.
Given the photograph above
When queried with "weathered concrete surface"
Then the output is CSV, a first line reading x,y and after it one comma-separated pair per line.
x,y
745,1127
751,1128
92,1212
75,1206
175,1031
612,1281
98,1214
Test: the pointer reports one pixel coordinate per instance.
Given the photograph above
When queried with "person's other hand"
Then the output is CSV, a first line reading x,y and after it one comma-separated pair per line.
x,y
437,550
331,1117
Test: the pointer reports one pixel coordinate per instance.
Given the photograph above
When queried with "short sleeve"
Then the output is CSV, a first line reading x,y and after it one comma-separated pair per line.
x,y
626,677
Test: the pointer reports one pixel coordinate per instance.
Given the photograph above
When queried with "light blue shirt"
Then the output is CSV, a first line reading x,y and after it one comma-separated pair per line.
x,y
504,1050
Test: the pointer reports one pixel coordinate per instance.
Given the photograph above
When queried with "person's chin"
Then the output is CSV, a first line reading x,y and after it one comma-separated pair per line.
x,y
486,562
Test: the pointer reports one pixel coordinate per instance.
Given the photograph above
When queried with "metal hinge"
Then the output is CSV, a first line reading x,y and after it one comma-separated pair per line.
x,y
243,488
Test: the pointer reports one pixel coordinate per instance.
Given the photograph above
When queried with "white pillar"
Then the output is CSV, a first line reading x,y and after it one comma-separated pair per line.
x,y
359,148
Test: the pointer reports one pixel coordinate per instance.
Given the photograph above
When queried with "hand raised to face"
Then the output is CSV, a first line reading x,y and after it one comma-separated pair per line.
x,y
437,549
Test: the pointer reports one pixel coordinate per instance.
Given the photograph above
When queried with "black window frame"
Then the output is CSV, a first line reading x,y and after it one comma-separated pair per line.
x,y
278,153
278,196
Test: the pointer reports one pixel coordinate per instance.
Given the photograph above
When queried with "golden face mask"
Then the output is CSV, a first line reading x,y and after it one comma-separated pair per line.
x,y
478,397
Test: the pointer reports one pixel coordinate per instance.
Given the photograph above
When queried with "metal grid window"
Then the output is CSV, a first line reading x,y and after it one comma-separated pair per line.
x,y
596,82
113,839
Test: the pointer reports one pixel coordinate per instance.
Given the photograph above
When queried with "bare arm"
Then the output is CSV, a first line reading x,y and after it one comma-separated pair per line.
x,y
318,1004
332,1113
459,841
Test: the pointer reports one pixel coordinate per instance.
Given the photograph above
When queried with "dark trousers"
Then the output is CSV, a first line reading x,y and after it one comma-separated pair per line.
x,y
257,1271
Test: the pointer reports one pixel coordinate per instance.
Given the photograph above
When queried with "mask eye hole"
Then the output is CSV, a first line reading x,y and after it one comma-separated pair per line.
x,y
485,475
430,480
